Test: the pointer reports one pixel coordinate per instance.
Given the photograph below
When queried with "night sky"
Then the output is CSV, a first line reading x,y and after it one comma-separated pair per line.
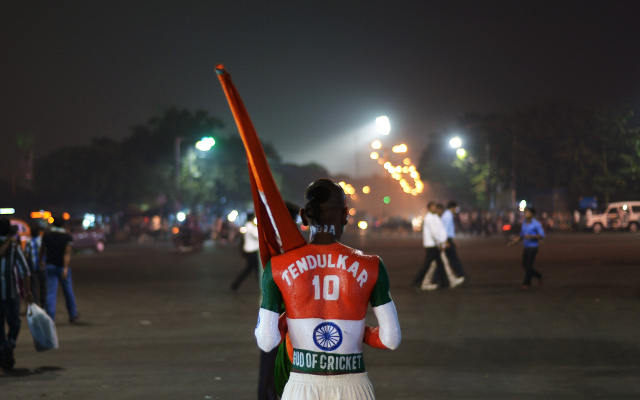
x,y
313,75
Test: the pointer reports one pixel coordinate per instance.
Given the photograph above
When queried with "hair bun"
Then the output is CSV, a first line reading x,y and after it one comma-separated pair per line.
x,y
319,193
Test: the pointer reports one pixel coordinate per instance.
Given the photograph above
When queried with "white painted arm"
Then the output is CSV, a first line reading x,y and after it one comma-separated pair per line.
x,y
267,333
387,316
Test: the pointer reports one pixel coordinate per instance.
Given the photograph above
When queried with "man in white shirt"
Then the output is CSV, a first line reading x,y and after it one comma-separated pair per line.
x,y
250,249
434,239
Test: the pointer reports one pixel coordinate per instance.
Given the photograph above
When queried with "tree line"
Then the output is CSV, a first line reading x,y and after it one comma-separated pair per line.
x,y
581,150
142,170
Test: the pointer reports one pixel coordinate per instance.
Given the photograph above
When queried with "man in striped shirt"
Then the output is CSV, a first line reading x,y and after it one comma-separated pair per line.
x,y
12,261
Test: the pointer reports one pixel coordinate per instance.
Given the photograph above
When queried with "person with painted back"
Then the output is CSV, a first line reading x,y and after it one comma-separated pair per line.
x,y
326,288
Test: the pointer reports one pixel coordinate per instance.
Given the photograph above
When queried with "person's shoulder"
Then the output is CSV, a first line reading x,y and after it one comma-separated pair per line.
x,y
358,253
295,253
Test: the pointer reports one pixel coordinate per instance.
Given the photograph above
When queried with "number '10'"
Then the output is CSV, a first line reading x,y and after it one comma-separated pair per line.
x,y
330,287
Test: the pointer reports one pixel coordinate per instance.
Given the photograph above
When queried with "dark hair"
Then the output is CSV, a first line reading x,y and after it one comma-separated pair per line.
x,y
35,230
431,203
453,204
293,209
319,192
250,216
531,209
58,221
5,226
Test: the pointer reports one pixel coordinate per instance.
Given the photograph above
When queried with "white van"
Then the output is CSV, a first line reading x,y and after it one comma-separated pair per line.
x,y
619,216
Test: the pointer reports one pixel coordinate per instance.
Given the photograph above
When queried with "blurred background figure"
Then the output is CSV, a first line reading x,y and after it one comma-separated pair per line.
x,y
530,235
55,257
250,247
451,252
13,266
38,275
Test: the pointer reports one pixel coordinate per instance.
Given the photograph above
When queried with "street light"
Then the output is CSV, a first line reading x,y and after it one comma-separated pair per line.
x,y
383,124
455,142
205,144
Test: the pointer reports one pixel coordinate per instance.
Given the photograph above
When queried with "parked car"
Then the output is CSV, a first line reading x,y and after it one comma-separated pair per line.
x,y
87,238
619,216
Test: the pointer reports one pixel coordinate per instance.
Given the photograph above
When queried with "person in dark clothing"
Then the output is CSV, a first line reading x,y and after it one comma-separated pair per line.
x,y
55,256
12,265
38,275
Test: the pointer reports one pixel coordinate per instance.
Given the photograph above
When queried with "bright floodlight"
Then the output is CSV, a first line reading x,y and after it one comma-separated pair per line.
x,y
401,148
523,205
383,125
205,144
233,215
455,142
462,153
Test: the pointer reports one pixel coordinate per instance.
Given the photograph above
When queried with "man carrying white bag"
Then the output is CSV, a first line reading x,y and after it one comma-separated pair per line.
x,y
42,327
13,267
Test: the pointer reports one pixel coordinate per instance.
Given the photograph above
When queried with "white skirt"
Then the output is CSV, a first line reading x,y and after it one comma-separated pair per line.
x,y
328,387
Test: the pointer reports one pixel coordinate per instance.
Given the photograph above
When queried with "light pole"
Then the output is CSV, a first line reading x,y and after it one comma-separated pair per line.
x,y
178,199
384,127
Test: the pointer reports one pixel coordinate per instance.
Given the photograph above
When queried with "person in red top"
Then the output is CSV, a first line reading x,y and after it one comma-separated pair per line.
x,y
326,288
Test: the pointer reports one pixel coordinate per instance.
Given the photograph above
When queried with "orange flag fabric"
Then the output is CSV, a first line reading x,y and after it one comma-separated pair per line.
x,y
278,233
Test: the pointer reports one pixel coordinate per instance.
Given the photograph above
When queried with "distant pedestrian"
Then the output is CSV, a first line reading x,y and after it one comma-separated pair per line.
x,y
55,257
38,275
12,265
250,249
451,250
434,239
530,234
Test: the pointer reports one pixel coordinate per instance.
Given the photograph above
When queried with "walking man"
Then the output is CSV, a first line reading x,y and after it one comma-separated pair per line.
x,y
434,238
250,248
12,265
326,288
530,234
450,250
55,257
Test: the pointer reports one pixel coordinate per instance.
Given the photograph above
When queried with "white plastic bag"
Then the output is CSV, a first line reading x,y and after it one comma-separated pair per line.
x,y
42,327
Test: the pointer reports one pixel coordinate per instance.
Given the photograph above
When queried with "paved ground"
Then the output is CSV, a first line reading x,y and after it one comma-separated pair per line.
x,y
162,325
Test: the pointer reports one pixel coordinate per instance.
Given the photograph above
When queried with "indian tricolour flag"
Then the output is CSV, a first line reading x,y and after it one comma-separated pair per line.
x,y
278,232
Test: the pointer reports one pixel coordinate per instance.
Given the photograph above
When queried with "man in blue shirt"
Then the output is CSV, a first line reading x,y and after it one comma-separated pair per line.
x,y
530,234
450,251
